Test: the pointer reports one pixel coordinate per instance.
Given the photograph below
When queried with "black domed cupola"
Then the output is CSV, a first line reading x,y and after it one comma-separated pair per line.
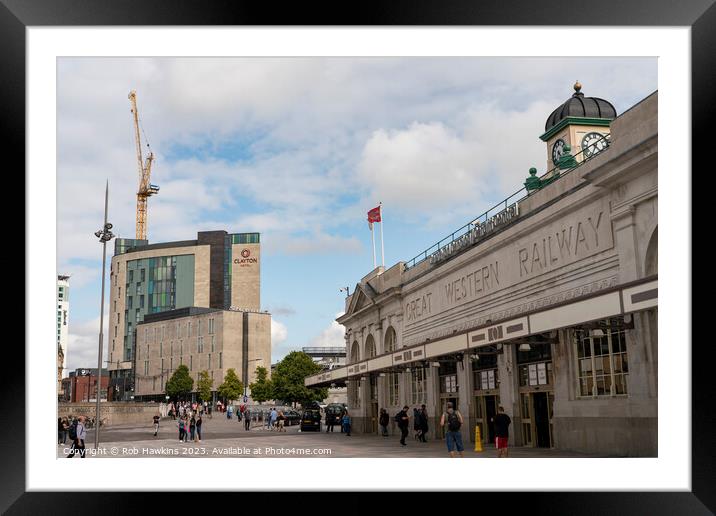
x,y
580,106
580,122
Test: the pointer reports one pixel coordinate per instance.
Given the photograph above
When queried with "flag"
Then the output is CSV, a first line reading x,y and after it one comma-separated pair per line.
x,y
374,215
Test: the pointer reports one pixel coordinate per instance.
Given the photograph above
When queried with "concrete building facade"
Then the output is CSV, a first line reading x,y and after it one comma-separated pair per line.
x,y
217,270
202,339
548,308
63,311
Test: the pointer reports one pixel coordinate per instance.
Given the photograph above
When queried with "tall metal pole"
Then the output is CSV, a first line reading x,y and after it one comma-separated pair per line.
x,y
104,235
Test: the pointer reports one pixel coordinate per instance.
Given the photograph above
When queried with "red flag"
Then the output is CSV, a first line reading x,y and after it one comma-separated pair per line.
x,y
374,215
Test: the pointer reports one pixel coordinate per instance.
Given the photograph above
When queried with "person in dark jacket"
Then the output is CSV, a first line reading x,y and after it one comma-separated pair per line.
x,y
423,423
403,421
416,424
383,421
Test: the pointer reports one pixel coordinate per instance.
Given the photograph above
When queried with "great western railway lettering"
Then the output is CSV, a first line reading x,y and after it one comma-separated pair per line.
x,y
561,246
418,307
473,284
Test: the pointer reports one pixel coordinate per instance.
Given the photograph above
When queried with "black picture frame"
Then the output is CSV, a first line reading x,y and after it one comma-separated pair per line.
x,y
700,15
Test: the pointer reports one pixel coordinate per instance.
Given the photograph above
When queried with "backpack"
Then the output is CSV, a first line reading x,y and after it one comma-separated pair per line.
x,y
398,418
73,430
453,421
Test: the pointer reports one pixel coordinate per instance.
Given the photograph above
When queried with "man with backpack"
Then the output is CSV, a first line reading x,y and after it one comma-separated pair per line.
x,y
453,437
78,434
402,419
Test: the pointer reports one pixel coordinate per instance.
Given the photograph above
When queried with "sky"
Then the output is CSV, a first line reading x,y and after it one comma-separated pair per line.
x,y
299,149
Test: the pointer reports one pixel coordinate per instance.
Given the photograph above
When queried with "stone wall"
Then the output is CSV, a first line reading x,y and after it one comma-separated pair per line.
x,y
118,413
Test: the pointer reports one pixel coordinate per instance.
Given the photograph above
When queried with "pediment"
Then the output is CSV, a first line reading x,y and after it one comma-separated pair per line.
x,y
361,299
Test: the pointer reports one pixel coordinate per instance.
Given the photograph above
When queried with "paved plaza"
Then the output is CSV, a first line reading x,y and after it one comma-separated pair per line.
x,y
227,438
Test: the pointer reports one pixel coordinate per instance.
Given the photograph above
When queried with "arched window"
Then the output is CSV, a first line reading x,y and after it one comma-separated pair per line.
x,y
355,352
369,347
389,340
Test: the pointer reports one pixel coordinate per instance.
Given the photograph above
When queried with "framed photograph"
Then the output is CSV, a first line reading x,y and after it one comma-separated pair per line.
x,y
226,160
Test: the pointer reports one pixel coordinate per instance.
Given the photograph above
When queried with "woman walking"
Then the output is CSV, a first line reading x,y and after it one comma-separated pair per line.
x,y
192,429
180,424
198,427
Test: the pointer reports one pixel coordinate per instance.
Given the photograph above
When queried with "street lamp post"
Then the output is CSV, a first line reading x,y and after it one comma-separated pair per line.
x,y
104,235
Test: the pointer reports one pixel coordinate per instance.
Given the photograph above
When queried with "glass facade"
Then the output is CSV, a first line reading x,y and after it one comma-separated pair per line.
x,y
227,271
158,284
245,238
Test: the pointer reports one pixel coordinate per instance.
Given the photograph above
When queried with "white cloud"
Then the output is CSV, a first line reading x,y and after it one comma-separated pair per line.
x,y
83,344
279,333
331,336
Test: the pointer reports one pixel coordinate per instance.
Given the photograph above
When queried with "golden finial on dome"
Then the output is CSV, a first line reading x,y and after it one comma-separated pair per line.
x,y
577,86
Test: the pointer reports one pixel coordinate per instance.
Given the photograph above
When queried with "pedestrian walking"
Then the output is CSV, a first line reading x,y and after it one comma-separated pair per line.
x,y
403,421
78,434
182,430
453,437
272,420
156,424
192,428
330,422
280,418
199,421
502,422
247,419
416,424
423,423
383,421
229,412
346,424
61,431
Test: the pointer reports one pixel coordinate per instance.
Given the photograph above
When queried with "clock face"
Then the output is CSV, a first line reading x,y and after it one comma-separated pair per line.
x,y
557,150
592,143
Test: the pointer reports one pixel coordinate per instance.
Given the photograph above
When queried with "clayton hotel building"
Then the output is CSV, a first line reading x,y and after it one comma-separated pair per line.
x,y
545,305
193,303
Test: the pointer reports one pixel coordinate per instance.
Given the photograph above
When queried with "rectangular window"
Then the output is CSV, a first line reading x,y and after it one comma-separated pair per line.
x,y
129,303
191,362
209,361
171,363
139,288
200,345
211,326
393,389
146,367
188,331
213,346
131,276
161,349
220,356
119,292
142,275
418,390
141,301
198,327
602,362
115,305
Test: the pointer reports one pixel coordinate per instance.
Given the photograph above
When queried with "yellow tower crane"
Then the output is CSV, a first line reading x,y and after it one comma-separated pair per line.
x,y
146,189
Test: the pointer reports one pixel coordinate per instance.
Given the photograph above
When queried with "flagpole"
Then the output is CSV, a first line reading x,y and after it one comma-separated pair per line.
x,y
372,238
382,247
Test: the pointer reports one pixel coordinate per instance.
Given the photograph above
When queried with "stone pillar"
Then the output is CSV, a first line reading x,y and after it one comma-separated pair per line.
x,y
625,240
508,375
464,382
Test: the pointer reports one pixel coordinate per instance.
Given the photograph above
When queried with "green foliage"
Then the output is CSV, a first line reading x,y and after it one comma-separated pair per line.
x,y
204,385
262,388
288,379
232,388
180,384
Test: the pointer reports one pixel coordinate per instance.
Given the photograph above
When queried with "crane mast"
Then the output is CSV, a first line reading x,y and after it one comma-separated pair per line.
x,y
146,189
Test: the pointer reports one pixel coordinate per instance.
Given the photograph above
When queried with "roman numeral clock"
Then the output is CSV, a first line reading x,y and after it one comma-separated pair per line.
x,y
580,122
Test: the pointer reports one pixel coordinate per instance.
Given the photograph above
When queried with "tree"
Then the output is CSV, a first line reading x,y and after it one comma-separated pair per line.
x,y
262,388
232,387
180,384
204,385
288,380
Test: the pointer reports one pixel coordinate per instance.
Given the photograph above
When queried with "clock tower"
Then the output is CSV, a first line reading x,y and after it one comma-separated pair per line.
x,y
580,122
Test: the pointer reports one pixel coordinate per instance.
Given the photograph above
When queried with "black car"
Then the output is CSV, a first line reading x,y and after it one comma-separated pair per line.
x,y
311,420
292,417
